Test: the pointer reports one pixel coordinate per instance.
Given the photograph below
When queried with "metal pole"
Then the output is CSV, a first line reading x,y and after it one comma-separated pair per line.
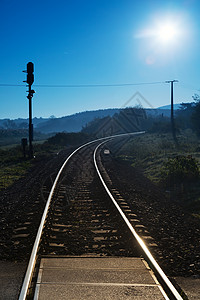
x,y
172,110
172,101
30,123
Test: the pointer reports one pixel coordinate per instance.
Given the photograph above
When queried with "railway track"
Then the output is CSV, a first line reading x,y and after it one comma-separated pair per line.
x,y
81,220
85,215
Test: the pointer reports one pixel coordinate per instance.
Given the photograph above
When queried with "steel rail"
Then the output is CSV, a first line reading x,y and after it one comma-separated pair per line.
x,y
137,237
32,260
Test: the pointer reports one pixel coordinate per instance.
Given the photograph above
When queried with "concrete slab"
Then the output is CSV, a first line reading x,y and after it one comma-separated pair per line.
x,y
97,278
85,292
93,262
92,276
11,276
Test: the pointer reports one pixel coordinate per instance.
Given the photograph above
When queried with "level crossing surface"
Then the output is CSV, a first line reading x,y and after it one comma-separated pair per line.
x,y
99,278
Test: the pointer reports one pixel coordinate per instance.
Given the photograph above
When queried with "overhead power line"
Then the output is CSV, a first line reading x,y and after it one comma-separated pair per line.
x,y
183,85
8,84
82,85
99,85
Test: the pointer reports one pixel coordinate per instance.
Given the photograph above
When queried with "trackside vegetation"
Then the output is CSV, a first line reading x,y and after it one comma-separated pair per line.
x,y
174,170
13,164
180,170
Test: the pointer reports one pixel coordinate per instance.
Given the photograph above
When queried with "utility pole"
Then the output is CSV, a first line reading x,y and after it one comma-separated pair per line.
x,y
30,80
172,110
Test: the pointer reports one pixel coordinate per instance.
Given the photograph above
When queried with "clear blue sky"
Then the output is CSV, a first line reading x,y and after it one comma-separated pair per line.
x,y
75,42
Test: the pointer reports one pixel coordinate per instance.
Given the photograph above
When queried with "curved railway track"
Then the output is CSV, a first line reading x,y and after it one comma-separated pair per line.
x,y
85,214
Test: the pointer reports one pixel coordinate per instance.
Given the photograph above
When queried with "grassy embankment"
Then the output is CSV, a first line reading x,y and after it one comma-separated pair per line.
x,y
14,166
150,152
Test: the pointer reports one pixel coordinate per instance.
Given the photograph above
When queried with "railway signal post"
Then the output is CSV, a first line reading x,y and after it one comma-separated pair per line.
x,y
30,80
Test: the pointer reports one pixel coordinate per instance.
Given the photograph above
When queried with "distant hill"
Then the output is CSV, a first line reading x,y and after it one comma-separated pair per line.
x,y
176,106
99,122
20,123
157,112
127,120
76,122
72,123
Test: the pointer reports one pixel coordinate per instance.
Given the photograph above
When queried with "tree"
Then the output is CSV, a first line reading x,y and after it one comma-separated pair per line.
x,y
183,115
195,117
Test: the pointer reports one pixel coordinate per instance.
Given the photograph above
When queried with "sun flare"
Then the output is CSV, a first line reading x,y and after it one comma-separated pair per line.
x,y
162,38
167,33
162,32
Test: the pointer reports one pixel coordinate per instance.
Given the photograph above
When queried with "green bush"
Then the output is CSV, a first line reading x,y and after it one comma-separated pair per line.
x,y
181,169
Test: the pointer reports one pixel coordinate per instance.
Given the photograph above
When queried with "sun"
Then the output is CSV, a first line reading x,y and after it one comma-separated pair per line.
x,y
161,39
163,32
167,33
